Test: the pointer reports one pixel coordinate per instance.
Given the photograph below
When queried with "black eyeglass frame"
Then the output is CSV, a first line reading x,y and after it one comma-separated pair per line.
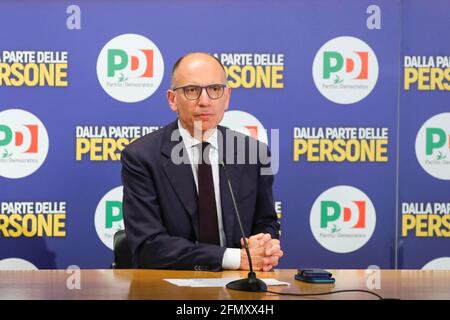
x,y
223,86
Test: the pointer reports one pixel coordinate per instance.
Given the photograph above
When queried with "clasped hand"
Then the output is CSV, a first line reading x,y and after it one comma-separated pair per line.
x,y
264,251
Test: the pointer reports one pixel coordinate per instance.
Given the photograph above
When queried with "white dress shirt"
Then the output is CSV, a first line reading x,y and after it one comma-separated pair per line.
x,y
232,256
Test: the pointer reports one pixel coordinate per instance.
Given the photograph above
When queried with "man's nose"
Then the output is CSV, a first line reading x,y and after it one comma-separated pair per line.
x,y
204,99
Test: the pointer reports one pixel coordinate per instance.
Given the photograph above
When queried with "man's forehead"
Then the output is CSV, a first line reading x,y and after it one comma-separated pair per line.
x,y
199,67
196,62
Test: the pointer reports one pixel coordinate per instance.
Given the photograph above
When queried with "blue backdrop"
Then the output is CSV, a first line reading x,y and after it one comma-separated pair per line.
x,y
301,34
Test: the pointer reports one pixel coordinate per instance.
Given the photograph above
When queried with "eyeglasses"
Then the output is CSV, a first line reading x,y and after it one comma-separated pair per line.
x,y
214,91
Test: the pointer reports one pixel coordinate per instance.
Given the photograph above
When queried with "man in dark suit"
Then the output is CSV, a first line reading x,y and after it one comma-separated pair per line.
x,y
178,210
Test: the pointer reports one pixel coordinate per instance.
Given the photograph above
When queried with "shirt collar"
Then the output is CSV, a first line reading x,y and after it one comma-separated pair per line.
x,y
190,141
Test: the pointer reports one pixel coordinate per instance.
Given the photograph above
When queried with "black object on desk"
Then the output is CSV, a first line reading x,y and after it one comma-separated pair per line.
x,y
314,276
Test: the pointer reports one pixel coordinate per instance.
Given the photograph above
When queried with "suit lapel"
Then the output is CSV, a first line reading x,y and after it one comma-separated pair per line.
x,y
180,175
233,172
182,180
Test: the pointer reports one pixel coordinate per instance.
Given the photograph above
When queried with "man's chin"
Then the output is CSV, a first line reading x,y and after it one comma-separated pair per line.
x,y
204,126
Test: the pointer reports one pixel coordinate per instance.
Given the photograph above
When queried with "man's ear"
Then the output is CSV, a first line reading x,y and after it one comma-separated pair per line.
x,y
172,100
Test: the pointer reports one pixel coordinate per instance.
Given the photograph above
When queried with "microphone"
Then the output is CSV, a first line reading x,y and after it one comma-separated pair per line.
x,y
252,283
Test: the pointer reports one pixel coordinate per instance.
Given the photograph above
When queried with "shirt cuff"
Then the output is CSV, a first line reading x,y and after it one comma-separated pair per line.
x,y
231,259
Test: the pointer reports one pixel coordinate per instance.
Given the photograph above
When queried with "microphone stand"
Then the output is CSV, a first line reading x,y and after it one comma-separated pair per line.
x,y
251,283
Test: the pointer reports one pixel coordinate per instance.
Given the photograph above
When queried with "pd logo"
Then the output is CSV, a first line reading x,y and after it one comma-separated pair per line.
x,y
23,143
333,63
130,68
345,70
245,123
331,212
109,217
433,146
119,61
342,219
17,138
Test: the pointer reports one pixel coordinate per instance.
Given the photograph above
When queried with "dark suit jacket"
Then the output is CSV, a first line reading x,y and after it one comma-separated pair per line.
x,y
160,203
